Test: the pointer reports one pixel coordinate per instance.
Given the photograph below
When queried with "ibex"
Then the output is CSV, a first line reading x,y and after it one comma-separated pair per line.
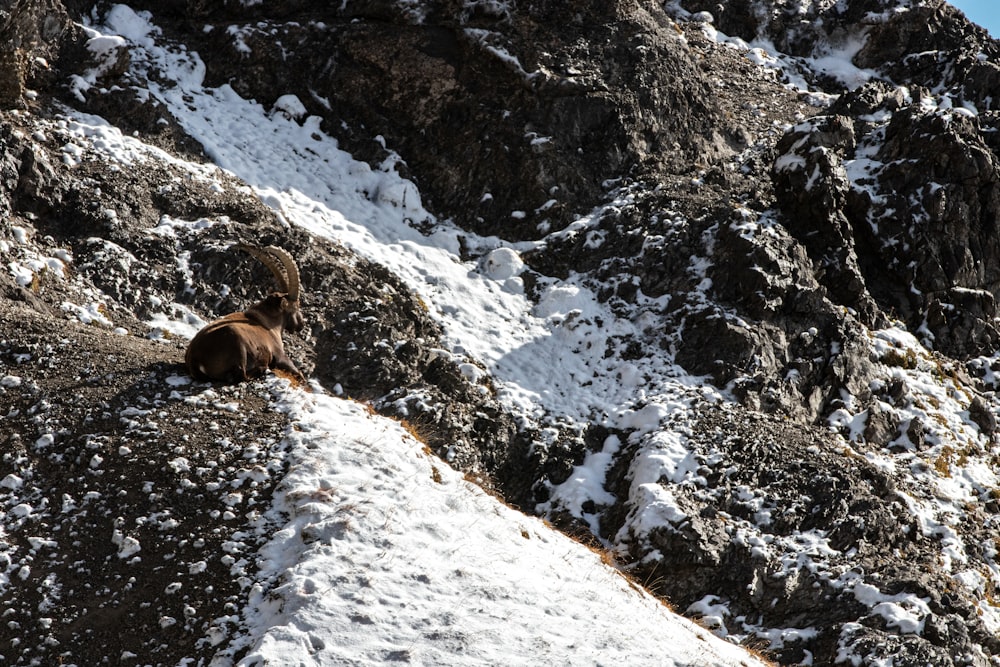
x,y
243,345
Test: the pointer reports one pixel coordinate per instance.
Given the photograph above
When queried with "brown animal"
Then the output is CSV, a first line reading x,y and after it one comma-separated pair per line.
x,y
244,345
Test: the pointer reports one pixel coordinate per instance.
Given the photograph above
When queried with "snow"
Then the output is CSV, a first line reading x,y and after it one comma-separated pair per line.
x,y
904,611
838,63
291,106
105,51
388,554
586,484
503,264
834,59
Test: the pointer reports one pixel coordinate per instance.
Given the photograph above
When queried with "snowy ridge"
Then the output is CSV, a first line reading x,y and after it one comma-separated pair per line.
x,y
390,555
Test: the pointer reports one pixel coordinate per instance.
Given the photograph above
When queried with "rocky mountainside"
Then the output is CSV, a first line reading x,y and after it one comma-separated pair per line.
x,y
755,242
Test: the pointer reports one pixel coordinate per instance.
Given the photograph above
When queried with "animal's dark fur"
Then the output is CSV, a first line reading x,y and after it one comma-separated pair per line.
x,y
244,345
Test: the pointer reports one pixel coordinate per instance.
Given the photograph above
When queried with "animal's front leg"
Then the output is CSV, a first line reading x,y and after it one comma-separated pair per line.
x,y
285,364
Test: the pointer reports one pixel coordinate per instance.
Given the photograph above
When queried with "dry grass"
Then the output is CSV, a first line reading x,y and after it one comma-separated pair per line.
x,y
943,462
900,358
295,382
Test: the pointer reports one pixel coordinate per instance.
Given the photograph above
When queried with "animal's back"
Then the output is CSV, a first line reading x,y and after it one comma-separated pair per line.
x,y
217,349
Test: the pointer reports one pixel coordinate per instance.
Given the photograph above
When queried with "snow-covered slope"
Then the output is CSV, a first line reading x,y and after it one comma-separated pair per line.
x,y
867,534
387,554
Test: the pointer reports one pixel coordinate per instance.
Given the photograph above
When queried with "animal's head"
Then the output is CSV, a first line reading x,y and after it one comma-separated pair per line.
x,y
291,314
284,303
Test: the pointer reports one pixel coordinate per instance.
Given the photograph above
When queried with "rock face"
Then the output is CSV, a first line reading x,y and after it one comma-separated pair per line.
x,y
912,229
504,117
36,34
824,257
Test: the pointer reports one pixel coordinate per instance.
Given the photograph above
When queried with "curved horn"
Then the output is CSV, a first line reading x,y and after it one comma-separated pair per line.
x,y
271,261
291,271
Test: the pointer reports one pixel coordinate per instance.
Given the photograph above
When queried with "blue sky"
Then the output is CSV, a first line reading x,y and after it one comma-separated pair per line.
x,y
984,12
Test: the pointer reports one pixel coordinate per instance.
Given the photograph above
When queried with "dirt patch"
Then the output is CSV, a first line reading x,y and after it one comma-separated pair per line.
x,y
133,500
